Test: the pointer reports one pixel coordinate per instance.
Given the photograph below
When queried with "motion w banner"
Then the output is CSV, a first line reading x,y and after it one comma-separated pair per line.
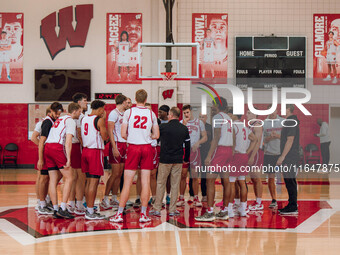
x,y
211,32
124,32
326,42
11,47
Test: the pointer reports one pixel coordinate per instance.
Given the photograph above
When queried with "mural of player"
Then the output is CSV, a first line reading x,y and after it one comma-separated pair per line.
x,y
208,48
331,57
134,30
5,47
123,54
219,33
14,33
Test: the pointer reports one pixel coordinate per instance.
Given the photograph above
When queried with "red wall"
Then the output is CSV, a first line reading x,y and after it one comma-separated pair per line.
x,y
14,127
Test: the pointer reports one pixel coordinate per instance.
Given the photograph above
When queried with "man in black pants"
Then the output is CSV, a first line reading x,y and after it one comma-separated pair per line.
x,y
204,152
325,140
289,145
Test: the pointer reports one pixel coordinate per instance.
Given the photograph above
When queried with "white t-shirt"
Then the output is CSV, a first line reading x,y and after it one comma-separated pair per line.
x,y
195,128
61,127
223,121
38,126
116,117
242,133
90,134
140,120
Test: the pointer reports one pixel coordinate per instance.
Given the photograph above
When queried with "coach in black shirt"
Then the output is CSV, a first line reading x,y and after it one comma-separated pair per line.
x,y
172,135
290,143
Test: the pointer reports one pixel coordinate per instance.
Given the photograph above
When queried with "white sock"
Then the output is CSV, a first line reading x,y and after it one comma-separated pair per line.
x,y
120,209
90,210
42,204
84,199
243,206
79,204
237,201
143,209
211,209
47,199
196,196
63,206
55,207
106,199
114,197
72,204
230,206
181,196
258,200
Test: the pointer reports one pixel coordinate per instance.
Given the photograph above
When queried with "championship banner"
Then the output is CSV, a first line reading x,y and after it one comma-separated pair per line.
x,y
326,45
11,47
211,32
124,32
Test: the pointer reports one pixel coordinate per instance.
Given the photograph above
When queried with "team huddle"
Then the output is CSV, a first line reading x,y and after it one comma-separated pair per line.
x,y
72,147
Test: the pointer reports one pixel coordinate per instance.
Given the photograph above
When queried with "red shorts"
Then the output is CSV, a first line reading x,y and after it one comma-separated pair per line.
x,y
240,161
258,159
54,155
222,157
122,153
195,160
76,156
92,161
156,155
139,157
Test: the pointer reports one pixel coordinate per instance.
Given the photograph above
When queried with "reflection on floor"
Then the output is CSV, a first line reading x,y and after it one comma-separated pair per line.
x,y
43,225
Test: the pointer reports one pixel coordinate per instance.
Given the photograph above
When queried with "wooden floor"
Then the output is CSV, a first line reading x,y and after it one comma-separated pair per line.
x,y
319,233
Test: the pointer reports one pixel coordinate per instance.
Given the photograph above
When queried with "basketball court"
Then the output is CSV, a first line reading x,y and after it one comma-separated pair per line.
x,y
258,56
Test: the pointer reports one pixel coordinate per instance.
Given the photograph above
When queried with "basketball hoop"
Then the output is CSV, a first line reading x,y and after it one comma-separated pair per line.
x,y
168,76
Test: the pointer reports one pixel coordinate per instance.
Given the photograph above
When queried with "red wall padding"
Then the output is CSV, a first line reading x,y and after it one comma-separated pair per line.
x,y
14,127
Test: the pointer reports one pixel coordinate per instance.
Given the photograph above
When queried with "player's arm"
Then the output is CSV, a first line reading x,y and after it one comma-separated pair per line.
x,y
258,133
124,127
111,128
79,136
102,129
286,149
253,140
214,143
42,141
203,139
336,43
35,137
155,128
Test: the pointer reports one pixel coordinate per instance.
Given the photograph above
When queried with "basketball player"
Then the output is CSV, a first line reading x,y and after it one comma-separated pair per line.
x,y
117,152
244,143
78,187
196,130
14,31
93,133
208,46
56,110
123,47
5,47
220,155
331,46
134,30
138,122
129,103
43,174
256,159
58,158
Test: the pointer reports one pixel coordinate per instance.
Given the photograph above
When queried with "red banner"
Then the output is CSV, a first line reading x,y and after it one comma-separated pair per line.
x,y
211,32
124,32
11,47
326,49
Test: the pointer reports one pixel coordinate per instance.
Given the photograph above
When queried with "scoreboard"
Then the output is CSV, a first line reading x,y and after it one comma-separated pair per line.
x,y
267,62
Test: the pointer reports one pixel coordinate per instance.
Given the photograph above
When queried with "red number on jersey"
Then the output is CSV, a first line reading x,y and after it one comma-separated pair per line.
x,y
56,123
137,123
244,134
123,47
86,129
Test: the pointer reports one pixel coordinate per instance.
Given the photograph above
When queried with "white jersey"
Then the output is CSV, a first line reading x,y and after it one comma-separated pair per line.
x,y
252,128
38,126
208,44
90,134
123,49
4,54
140,121
116,117
195,128
223,121
75,139
62,126
331,47
242,133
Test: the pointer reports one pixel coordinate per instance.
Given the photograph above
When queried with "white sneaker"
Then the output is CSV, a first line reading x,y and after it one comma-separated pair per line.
x,y
105,206
335,80
231,213
256,207
114,202
80,211
70,209
328,78
129,203
197,202
118,218
94,216
180,202
143,218
191,199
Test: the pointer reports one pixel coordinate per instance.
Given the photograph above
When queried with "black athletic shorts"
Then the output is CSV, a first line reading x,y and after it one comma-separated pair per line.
x,y
270,160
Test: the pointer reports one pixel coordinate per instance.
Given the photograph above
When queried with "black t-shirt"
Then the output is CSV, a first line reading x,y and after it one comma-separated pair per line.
x,y
173,135
46,127
291,130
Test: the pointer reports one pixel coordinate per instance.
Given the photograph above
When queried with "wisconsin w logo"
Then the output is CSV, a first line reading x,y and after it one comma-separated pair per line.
x,y
76,37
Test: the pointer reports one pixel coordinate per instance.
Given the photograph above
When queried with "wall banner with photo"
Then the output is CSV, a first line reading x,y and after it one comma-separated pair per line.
x,y
326,49
11,47
211,32
124,32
